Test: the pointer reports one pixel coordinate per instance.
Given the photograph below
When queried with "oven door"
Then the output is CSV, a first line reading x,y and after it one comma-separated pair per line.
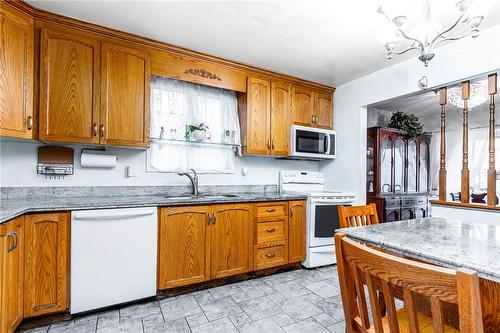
x,y
324,220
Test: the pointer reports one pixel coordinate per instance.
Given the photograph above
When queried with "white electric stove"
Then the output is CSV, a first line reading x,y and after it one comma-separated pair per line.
x,y
322,214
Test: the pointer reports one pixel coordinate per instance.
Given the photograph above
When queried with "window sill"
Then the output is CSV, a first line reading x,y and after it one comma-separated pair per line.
x,y
465,205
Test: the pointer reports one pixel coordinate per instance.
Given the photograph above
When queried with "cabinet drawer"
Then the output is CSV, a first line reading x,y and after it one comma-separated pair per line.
x,y
271,256
271,231
392,202
273,210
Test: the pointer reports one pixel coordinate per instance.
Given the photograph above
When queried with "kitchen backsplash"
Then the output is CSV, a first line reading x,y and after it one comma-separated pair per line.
x,y
19,159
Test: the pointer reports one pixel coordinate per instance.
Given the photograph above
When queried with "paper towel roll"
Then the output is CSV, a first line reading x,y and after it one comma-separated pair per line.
x,y
89,160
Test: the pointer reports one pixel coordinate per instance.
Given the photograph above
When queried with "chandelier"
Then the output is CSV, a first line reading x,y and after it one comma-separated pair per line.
x,y
478,95
401,40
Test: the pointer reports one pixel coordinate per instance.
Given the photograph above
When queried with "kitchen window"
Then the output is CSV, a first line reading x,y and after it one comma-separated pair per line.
x,y
175,105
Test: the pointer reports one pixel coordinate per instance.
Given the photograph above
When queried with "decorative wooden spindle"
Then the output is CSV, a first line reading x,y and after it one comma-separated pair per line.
x,y
464,195
442,162
492,173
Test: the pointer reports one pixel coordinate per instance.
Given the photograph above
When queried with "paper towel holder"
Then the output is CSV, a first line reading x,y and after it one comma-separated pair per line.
x,y
95,151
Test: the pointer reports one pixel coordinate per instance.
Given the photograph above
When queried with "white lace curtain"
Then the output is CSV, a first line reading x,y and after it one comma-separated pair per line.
x,y
176,104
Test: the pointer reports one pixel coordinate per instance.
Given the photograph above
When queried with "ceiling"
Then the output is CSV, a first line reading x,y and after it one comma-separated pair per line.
x,y
326,41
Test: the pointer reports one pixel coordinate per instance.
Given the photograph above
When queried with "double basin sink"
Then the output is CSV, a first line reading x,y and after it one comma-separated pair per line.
x,y
201,196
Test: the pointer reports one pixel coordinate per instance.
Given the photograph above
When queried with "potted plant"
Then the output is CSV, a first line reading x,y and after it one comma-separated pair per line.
x,y
407,123
197,132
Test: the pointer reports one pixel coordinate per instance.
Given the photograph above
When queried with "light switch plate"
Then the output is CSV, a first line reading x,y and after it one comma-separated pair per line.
x,y
131,172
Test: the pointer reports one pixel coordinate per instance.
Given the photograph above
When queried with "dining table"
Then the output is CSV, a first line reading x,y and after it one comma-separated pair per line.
x,y
447,243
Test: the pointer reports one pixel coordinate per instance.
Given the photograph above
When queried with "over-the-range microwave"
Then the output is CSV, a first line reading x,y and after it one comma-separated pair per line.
x,y
312,143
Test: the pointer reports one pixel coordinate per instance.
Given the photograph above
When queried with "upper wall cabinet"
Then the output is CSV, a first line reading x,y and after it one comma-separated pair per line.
x,y
312,107
265,115
69,86
16,75
124,96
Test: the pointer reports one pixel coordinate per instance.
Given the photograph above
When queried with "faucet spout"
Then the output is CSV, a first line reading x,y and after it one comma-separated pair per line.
x,y
194,180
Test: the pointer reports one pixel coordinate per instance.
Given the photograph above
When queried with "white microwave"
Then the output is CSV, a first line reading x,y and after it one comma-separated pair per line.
x,y
312,143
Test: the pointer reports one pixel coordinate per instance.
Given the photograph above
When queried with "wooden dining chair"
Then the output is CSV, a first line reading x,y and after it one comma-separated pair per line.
x,y
356,216
360,266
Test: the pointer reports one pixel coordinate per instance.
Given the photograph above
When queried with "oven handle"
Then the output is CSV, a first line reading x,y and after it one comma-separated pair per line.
x,y
336,202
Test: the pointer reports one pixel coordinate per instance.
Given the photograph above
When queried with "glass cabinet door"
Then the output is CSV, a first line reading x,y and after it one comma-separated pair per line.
x,y
399,165
424,167
370,164
386,165
412,166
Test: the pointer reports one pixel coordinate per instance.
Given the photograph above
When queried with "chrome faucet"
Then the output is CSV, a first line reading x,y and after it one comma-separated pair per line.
x,y
193,178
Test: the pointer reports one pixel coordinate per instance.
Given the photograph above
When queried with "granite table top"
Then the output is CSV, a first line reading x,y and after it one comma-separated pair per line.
x,y
12,208
448,243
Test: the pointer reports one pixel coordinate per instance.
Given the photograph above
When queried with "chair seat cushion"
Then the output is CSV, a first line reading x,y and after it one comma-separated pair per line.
x,y
424,323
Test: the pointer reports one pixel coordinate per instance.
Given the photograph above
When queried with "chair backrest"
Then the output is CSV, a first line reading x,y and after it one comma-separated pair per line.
x,y
387,275
356,216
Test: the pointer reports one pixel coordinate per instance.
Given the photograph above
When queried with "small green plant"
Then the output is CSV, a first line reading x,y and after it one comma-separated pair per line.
x,y
192,127
407,123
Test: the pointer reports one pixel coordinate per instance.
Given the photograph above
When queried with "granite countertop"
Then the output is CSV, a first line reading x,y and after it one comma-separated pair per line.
x,y
448,243
11,208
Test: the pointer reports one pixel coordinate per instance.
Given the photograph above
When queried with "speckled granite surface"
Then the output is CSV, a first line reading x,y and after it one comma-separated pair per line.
x,y
449,243
118,197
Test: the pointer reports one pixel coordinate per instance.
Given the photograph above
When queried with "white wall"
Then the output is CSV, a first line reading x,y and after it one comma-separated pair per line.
x,y
455,61
18,168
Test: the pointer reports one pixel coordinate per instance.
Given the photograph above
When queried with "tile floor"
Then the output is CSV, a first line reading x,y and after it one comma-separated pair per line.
x,y
299,301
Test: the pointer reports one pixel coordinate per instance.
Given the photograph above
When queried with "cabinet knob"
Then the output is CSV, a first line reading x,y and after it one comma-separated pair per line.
x,y
272,145
271,254
271,229
94,129
101,130
30,122
268,144
15,240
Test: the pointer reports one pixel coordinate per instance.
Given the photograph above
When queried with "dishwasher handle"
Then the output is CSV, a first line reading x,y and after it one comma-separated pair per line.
x,y
84,217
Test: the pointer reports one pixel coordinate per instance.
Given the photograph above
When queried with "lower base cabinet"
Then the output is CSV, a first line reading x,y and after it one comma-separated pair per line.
x,y
46,270
199,243
11,274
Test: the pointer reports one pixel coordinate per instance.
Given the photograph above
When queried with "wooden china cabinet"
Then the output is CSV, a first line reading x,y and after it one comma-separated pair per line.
x,y
397,178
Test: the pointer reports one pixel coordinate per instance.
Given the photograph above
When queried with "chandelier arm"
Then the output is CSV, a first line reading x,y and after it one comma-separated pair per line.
x,y
401,31
441,35
445,38
404,51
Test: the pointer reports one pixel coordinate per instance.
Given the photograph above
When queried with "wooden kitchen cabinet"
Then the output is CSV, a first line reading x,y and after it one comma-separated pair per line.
x,y
255,113
232,240
296,231
184,246
11,274
125,85
46,278
17,74
302,105
69,86
281,117
323,110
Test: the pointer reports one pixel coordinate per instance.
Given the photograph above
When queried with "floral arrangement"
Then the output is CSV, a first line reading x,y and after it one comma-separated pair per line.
x,y
407,123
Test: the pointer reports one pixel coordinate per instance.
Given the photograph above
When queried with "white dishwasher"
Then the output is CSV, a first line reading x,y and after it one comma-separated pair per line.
x,y
113,256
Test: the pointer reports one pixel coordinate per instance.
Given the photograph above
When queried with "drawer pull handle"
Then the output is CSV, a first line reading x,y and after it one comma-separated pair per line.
x,y
30,123
15,239
271,229
271,255
271,210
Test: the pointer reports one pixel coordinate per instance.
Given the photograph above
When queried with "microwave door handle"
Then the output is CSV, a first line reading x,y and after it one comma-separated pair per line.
x,y
327,146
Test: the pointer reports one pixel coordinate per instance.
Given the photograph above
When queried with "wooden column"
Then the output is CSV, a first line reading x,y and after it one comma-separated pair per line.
x,y
442,162
492,173
464,195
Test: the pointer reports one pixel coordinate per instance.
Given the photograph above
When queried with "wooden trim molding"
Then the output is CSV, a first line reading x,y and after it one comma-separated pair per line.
x,y
202,73
442,162
465,205
153,45
492,174
465,144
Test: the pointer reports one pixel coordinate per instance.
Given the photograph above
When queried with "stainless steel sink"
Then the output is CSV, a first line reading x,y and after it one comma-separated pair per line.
x,y
202,196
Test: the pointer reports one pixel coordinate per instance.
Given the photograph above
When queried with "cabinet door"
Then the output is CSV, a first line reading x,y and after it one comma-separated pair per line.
x,y
184,246
302,105
411,169
281,117
125,84
16,75
296,231
69,86
423,166
399,165
323,110
46,279
13,272
258,117
386,165
232,240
